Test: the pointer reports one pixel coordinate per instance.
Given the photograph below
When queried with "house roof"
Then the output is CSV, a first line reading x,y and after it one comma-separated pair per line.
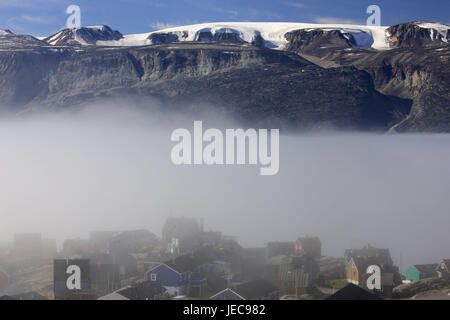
x,y
426,268
383,255
255,289
227,294
142,291
353,292
113,296
362,262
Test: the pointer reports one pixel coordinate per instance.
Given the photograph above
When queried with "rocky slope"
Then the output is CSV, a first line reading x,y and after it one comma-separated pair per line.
x,y
83,36
417,68
418,287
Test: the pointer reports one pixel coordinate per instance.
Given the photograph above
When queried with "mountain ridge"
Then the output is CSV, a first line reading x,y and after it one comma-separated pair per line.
x,y
320,77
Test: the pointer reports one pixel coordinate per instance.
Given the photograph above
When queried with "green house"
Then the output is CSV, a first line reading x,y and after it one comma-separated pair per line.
x,y
421,271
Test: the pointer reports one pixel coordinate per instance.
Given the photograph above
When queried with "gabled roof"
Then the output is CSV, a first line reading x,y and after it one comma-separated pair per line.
x,y
353,292
383,255
426,268
255,289
227,294
142,291
362,262
116,296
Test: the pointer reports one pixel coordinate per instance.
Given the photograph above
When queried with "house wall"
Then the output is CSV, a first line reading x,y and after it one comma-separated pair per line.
x,y
412,274
288,287
352,273
165,276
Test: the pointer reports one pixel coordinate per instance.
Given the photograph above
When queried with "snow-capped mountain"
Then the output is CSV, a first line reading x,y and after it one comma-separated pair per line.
x,y
270,34
345,76
84,36
5,32
10,40
417,34
273,35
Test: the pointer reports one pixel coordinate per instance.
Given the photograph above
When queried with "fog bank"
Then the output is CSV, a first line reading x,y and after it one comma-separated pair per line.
x,y
107,168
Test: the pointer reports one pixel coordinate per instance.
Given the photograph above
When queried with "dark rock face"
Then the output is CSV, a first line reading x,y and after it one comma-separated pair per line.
x,y
9,40
218,36
160,38
323,80
419,73
317,39
258,41
410,289
85,35
412,35
260,87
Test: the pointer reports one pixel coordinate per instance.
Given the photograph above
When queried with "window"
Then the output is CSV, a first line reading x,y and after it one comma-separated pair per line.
x,y
153,277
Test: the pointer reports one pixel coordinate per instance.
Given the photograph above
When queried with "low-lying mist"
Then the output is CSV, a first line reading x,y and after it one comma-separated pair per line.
x,y
109,168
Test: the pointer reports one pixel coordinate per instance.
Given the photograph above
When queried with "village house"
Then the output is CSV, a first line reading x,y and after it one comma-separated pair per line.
x,y
359,260
357,273
308,246
421,271
279,248
181,234
253,260
76,248
291,274
443,269
184,275
134,241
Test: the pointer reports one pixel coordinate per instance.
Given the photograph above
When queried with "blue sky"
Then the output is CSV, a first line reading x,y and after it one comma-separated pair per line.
x,y
45,17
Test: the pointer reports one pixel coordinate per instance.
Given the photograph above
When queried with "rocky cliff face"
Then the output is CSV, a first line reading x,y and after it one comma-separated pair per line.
x,y
83,36
416,34
418,70
324,78
316,40
256,86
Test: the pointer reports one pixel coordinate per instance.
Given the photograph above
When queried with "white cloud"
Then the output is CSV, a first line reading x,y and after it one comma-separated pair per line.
x,y
36,19
233,13
30,3
297,5
333,20
163,25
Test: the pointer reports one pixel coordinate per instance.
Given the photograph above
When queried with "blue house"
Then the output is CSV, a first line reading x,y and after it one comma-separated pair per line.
x,y
176,283
185,275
